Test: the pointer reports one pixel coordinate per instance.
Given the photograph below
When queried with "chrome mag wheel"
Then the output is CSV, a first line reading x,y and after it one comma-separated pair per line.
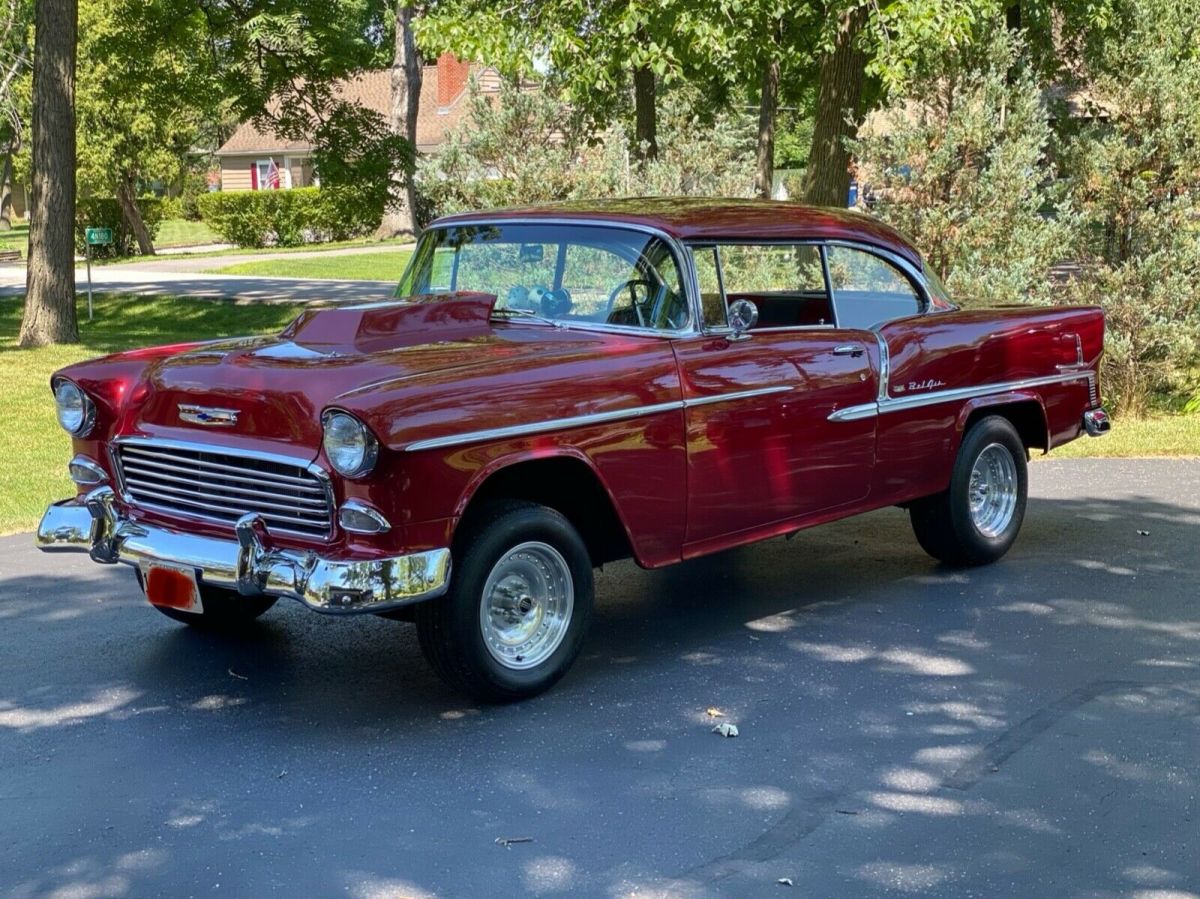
x,y
526,605
993,490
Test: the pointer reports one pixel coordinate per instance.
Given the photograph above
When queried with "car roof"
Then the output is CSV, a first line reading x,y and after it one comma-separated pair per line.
x,y
699,219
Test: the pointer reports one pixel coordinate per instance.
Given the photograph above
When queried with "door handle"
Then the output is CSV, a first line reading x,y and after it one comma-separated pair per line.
x,y
848,349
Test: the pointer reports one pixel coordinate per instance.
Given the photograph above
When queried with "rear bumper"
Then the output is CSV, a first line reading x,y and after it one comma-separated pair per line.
x,y
247,564
1096,422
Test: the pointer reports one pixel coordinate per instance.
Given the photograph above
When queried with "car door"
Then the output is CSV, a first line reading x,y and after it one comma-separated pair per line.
x,y
761,446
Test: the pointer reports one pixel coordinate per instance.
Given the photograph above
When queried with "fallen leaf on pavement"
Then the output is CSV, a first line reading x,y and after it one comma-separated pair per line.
x,y
725,729
784,881
1144,533
714,712
508,841
233,673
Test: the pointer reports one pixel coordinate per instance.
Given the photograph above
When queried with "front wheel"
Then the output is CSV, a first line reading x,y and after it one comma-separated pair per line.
x,y
977,519
518,606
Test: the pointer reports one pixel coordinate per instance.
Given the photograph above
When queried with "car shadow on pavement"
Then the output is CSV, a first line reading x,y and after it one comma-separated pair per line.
x,y
904,728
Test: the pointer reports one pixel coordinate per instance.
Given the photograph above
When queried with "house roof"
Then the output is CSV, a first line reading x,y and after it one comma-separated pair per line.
x,y
373,90
701,219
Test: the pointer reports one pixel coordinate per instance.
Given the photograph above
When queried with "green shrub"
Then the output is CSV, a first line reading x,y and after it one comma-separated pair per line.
x,y
172,208
105,212
1135,177
288,218
960,164
195,186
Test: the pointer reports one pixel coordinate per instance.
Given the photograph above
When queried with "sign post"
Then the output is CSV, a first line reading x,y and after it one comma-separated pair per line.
x,y
99,237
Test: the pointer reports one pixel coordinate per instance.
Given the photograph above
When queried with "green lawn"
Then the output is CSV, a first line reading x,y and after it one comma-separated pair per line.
x,y
385,265
184,233
1163,435
34,449
16,239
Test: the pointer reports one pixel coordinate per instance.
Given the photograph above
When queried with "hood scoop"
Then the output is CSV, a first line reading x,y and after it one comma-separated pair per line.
x,y
414,320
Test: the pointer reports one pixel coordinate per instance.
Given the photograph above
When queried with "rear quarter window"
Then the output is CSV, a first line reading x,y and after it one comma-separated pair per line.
x,y
868,290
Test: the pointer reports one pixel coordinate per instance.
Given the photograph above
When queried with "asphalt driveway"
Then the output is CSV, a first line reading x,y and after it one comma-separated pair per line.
x,y
1027,729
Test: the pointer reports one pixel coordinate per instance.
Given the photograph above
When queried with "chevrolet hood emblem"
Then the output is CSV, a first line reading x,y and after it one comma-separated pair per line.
x,y
208,416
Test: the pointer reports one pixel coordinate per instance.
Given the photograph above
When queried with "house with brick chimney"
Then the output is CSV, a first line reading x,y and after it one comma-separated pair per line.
x,y
255,160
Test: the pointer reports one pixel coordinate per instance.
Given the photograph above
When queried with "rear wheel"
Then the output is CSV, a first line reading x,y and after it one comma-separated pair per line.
x,y
977,519
518,606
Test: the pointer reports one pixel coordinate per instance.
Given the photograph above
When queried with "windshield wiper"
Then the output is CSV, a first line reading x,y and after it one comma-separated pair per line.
x,y
525,313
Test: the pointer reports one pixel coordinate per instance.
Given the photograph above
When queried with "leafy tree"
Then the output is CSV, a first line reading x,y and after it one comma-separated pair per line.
x,y
50,275
961,162
1135,176
148,94
400,218
529,148
16,46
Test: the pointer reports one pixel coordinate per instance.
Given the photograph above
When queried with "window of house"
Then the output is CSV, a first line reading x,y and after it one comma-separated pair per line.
x,y
868,290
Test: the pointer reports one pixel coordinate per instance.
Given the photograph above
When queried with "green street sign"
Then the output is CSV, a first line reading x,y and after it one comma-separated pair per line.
x,y
98,237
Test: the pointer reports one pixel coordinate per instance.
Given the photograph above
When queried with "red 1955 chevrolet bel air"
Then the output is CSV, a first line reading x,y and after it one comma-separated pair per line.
x,y
558,387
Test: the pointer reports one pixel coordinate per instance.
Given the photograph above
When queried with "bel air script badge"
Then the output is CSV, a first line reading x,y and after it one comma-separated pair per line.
x,y
208,416
930,384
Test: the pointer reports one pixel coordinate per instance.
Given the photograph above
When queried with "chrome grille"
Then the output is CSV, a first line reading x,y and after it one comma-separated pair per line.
x,y
223,486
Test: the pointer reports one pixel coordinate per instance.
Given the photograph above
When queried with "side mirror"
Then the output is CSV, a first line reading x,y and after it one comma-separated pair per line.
x,y
743,315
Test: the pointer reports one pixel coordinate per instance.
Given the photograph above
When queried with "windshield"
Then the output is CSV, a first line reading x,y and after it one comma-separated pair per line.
x,y
593,274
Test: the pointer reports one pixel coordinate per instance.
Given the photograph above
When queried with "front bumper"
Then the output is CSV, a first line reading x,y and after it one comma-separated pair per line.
x,y
247,564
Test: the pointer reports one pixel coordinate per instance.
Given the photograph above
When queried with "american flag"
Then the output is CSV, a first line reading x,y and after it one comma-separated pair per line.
x,y
272,176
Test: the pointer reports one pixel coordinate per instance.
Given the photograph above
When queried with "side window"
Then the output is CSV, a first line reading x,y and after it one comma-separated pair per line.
x,y
712,303
868,290
785,282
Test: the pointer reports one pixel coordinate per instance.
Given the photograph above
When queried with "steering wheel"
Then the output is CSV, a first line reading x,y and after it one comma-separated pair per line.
x,y
641,305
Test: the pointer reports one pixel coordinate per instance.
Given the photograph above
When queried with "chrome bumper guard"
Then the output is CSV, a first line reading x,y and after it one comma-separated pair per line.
x,y
248,564
1096,422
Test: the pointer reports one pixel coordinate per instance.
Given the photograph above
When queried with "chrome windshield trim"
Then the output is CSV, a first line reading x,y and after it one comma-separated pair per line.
x,y
676,248
884,406
540,427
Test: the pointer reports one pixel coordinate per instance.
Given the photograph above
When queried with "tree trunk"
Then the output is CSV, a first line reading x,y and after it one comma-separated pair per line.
x,y
132,213
827,178
764,173
50,276
6,198
400,218
645,111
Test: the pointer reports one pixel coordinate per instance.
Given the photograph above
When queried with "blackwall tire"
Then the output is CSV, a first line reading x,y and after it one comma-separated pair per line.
x,y
518,607
977,519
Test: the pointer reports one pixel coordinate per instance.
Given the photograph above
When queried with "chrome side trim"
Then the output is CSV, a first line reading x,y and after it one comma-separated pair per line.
x,y
248,564
540,427
933,398
576,421
737,395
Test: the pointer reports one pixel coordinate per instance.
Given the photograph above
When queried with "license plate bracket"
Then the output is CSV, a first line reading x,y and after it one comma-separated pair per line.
x,y
172,587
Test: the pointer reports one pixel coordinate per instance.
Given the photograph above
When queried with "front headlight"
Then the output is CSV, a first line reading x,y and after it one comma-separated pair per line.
x,y
76,412
349,445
